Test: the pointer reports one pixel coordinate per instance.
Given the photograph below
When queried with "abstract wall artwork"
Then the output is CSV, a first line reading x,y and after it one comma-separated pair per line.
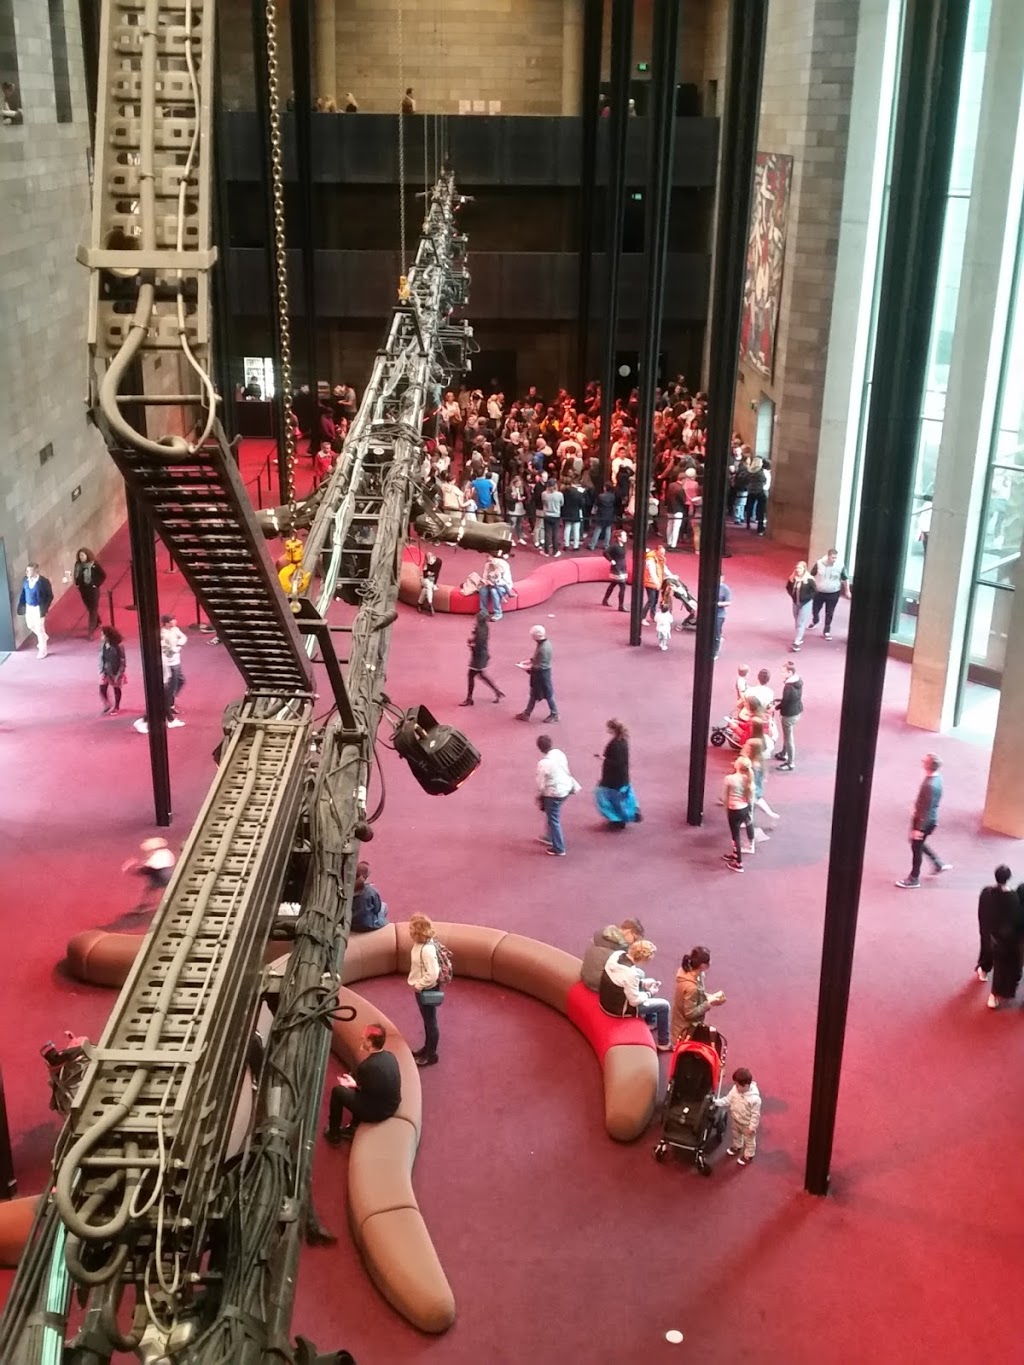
x,y
766,249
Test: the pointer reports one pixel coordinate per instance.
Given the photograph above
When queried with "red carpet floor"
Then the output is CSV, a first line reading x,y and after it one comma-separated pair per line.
x,y
559,1243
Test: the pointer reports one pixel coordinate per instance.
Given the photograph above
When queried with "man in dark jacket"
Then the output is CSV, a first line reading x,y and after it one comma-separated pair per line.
x,y
923,822
791,706
995,904
34,602
612,939
616,557
371,1094
368,910
606,509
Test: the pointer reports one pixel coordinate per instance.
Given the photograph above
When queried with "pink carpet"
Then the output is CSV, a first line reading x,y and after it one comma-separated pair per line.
x,y
559,1244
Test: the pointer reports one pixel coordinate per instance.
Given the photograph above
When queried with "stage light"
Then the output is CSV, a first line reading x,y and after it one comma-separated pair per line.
x,y
441,757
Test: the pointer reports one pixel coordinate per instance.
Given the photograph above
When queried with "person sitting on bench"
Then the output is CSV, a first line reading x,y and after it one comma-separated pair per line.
x,y
371,1094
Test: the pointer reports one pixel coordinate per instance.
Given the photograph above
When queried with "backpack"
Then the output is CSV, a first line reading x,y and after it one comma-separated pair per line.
x,y
445,964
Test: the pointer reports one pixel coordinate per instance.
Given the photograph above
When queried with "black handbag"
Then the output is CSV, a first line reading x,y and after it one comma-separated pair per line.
x,y
432,997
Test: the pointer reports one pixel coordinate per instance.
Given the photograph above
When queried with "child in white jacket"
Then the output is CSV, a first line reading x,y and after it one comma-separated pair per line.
x,y
744,1105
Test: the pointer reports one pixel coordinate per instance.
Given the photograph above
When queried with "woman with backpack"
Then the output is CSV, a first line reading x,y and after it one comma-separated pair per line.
x,y
425,972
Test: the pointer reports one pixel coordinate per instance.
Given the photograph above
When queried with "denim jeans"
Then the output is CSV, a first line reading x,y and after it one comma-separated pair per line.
x,y
788,745
553,815
602,532
491,597
571,535
801,615
431,1033
551,525
656,1013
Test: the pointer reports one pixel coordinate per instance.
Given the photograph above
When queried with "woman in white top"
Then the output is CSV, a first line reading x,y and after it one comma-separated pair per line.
x,y
739,800
424,970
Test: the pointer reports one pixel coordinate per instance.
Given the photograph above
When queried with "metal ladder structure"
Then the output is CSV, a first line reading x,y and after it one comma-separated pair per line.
x,y
146,1205
149,1129
198,504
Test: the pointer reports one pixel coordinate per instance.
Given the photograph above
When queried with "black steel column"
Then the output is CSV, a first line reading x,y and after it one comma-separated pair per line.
x,y
8,1180
259,51
748,22
621,54
593,24
662,121
89,16
147,599
929,84
301,18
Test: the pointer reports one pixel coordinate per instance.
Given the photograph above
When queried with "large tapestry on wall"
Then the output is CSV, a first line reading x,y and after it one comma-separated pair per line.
x,y
766,248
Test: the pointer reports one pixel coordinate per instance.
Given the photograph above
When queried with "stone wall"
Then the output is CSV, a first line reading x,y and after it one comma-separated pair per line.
x,y
805,109
43,371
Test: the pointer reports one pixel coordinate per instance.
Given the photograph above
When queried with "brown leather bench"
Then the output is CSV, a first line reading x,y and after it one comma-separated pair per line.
x,y
630,1068
383,1214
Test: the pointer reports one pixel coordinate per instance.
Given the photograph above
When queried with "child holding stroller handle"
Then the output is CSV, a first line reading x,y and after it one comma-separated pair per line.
x,y
743,1102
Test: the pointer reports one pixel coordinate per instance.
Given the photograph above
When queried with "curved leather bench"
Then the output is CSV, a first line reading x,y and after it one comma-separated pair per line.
x,y
386,1222
104,958
624,1047
535,587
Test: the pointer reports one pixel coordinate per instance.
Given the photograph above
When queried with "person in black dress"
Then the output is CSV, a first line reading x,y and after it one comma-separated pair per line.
x,y
479,658
112,669
89,578
1006,922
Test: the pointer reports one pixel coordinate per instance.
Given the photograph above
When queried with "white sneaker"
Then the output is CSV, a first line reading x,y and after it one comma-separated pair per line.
x,y
992,1002
141,725
981,975
175,724
760,837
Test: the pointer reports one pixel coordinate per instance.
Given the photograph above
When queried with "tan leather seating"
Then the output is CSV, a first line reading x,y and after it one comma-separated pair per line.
x,y
383,1213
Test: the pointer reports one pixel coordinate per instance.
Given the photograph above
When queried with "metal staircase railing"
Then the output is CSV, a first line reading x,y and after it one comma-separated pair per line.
x,y
199,506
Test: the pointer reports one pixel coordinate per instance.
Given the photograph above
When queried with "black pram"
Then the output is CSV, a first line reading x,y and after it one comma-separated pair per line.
x,y
691,1121
683,594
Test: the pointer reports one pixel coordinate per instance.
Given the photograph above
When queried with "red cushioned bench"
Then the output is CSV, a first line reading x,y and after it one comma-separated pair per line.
x,y
629,1059
534,587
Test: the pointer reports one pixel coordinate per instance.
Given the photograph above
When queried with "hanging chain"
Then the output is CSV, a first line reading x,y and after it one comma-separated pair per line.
x,y
280,249
401,144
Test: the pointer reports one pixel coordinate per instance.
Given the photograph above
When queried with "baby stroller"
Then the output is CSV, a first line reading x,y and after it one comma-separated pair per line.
x,y
735,730
682,594
691,1121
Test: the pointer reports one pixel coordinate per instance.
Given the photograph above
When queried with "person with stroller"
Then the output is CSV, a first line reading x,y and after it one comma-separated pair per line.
x,y
692,1001
743,1102
626,992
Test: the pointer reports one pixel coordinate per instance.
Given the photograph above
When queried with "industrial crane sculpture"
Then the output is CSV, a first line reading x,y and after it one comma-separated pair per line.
x,y
173,1225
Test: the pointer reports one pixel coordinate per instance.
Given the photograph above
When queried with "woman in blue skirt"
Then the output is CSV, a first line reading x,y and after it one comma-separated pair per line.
x,y
614,795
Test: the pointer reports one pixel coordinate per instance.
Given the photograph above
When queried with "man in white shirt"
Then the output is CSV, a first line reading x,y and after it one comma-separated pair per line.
x,y
830,583
172,642
554,783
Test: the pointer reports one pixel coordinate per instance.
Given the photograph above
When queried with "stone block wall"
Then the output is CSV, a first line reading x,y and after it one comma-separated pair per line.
x,y
43,367
805,113
521,53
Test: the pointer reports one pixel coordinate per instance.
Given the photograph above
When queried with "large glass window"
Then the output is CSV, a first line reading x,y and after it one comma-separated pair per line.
x,y
947,298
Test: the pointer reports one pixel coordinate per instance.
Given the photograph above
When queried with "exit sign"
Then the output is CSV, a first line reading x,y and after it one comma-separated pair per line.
x,y
643,66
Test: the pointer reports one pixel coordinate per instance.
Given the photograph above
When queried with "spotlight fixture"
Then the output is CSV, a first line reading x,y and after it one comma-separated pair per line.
x,y
441,757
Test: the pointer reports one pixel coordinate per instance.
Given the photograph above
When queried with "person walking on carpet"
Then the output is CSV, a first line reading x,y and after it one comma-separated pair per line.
x,y
614,795
89,578
479,658
924,821
113,667
554,784
34,602
539,669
